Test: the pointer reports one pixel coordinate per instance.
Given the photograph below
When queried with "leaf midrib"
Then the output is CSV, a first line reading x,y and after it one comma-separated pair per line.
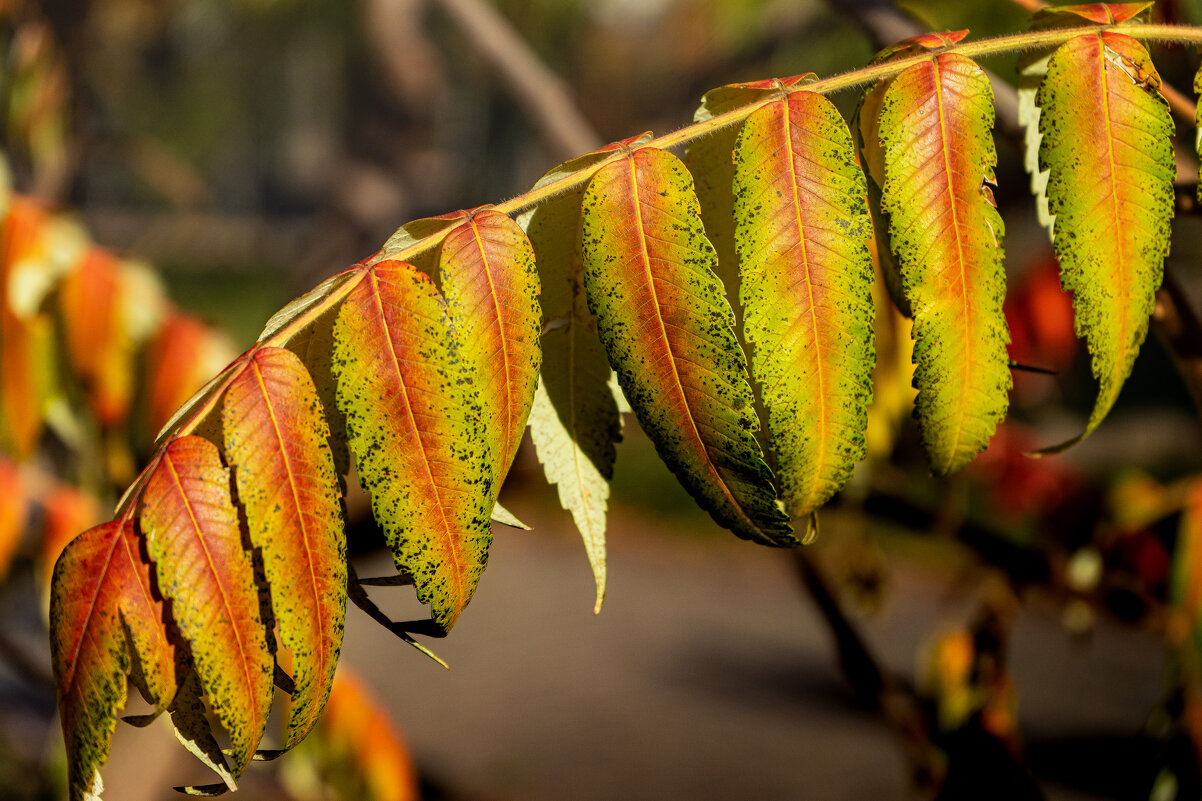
x,y
318,608
439,505
636,201
502,459
169,461
818,469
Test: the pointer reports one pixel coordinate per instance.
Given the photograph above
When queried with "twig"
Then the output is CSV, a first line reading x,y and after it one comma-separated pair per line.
x,y
540,91
29,669
1176,324
870,683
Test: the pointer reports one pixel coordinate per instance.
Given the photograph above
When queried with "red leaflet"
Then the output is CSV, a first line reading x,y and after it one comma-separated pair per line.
x,y
101,581
276,438
193,537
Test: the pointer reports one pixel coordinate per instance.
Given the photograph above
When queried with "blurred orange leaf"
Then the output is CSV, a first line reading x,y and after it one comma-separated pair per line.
x,y
21,389
359,731
97,343
180,357
67,512
13,512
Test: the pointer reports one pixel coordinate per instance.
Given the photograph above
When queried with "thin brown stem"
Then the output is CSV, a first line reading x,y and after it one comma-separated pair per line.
x,y
871,683
1177,326
541,92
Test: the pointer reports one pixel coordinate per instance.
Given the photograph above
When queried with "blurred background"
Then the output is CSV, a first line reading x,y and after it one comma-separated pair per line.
x,y
1022,630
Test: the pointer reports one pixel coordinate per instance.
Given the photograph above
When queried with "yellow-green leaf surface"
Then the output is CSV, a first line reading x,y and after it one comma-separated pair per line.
x,y
491,287
667,327
1107,147
709,161
277,442
872,154
935,128
1033,66
413,427
101,597
574,421
1198,122
802,230
190,721
195,540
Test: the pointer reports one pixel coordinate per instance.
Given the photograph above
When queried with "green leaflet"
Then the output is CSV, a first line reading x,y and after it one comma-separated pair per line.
x,y
574,421
806,286
411,416
1107,146
667,328
935,128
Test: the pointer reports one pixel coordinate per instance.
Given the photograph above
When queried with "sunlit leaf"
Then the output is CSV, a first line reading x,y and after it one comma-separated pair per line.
x,y
195,540
491,287
935,128
277,443
802,230
667,328
1107,146
101,607
410,417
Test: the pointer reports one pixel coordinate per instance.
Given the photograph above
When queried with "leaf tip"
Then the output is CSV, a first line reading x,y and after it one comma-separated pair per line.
x,y
202,790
